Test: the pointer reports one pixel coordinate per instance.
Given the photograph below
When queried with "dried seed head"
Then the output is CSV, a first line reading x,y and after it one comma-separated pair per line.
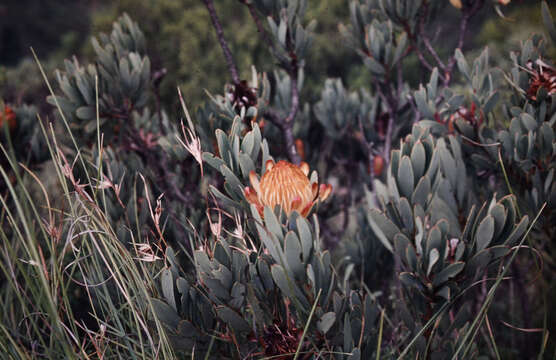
x,y
544,77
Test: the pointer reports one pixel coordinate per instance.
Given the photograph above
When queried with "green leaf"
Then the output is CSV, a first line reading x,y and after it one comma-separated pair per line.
x,y
484,233
165,313
231,179
383,227
444,292
305,237
405,177
86,91
281,279
406,214
528,121
167,281
432,86
499,214
400,48
491,102
187,329
246,164
411,257
86,113
348,339
282,28
447,273
462,64
418,159
410,280
266,276
224,148
216,288
434,240
519,230
248,143
401,243
422,104
272,223
213,161
232,319
269,240
434,126
434,256
224,275
292,249
481,260
373,65
326,321
422,191
226,201
203,262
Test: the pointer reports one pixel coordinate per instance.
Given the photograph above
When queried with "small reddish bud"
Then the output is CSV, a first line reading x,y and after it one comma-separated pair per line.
x,y
9,116
262,124
300,147
378,165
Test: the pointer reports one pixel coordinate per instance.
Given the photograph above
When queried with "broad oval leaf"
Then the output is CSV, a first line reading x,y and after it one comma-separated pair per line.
x,y
405,178
484,233
326,321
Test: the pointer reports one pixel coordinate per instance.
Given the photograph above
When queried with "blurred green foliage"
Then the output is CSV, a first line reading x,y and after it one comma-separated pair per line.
x,y
180,38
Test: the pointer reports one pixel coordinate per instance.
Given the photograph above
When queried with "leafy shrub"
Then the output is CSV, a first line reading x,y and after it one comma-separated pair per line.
x,y
214,238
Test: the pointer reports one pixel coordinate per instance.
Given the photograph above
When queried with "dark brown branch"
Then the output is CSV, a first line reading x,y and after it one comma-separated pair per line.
x,y
415,46
368,149
156,80
422,59
223,44
433,52
467,15
287,131
258,23
392,105
288,121
446,69
426,40
286,124
272,115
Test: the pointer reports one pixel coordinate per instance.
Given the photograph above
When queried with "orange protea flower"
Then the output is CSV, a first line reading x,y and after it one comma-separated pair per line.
x,y
287,185
456,3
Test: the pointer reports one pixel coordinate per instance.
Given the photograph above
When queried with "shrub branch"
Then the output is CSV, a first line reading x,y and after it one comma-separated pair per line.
x,y
223,44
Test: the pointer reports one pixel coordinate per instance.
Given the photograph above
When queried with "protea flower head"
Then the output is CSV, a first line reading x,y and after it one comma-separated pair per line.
x,y
456,3
287,185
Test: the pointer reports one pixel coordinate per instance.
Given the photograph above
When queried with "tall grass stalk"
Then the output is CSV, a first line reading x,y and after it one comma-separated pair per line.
x,y
69,287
